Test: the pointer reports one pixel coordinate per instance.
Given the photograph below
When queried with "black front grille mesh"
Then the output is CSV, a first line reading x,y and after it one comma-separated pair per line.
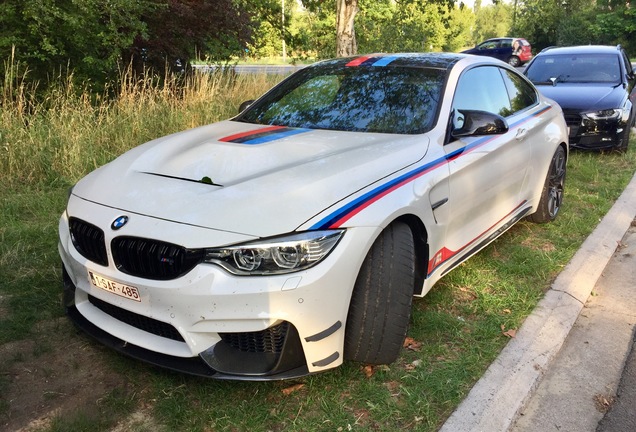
x,y
152,259
141,322
88,240
270,340
572,119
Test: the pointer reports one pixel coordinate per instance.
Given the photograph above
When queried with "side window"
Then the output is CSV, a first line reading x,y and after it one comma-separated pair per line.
x,y
483,89
522,95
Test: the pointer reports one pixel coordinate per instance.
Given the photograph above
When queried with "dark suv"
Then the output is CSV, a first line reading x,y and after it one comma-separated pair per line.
x,y
512,50
595,87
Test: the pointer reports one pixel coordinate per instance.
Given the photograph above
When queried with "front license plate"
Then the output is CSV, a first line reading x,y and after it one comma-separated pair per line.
x,y
120,289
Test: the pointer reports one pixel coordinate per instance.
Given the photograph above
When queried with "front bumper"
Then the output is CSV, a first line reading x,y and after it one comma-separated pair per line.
x,y
589,134
288,363
210,323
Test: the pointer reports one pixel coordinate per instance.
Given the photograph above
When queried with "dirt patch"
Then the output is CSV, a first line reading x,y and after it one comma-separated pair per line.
x,y
55,374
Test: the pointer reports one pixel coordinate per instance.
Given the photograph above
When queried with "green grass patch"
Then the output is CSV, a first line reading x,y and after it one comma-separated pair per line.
x,y
457,327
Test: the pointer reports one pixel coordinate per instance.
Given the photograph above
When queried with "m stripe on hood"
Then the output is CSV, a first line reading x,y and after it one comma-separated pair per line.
x,y
263,135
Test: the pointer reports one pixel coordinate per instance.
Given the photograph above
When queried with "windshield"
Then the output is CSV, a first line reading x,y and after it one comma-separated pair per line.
x,y
385,99
575,68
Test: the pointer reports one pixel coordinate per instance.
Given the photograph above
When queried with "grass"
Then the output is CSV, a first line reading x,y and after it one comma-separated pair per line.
x,y
46,145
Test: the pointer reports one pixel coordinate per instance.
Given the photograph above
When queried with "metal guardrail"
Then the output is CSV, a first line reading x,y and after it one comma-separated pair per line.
x,y
266,69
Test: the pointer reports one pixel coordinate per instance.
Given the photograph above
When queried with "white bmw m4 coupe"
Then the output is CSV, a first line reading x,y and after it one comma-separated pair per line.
x,y
294,236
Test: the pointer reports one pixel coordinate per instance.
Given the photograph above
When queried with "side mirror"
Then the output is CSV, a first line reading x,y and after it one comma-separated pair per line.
x,y
477,123
245,104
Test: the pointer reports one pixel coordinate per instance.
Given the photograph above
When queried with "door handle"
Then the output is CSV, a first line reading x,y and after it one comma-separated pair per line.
x,y
521,134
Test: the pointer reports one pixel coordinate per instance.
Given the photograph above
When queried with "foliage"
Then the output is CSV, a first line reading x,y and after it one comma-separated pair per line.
x,y
182,30
86,37
617,26
494,20
94,39
576,22
389,26
459,28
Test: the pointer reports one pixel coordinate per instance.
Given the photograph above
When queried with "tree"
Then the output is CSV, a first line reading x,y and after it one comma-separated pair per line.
x,y
493,20
346,11
460,22
86,37
186,29
617,26
93,39
550,22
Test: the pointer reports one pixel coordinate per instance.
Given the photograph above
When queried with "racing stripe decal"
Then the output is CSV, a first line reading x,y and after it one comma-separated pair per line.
x,y
372,60
341,215
445,254
263,135
385,61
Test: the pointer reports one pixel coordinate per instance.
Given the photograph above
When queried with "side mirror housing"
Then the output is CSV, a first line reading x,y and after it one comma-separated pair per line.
x,y
244,105
480,123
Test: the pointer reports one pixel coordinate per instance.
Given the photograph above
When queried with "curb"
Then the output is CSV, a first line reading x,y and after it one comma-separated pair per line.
x,y
497,398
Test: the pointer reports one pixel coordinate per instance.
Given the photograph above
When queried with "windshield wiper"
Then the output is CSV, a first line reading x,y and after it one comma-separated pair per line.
x,y
560,79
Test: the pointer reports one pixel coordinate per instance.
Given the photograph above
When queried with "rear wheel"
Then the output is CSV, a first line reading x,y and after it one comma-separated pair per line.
x,y
552,194
514,61
380,306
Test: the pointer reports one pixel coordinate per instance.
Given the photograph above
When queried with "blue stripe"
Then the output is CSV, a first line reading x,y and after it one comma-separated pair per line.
x,y
275,136
327,221
385,61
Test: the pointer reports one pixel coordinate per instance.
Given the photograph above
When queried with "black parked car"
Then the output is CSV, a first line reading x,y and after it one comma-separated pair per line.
x,y
595,87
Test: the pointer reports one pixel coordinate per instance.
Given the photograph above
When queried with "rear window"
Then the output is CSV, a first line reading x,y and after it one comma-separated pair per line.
x,y
387,99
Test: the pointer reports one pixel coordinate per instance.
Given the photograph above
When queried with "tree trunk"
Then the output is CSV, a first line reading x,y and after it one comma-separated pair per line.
x,y
346,11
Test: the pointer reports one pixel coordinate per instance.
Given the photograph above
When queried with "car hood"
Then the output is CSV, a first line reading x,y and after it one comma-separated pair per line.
x,y
246,178
584,97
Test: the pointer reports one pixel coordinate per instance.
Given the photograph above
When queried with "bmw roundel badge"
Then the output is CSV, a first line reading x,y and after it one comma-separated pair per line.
x,y
119,222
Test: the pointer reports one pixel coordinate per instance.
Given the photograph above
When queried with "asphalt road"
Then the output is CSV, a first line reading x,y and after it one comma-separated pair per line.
x,y
563,368
590,375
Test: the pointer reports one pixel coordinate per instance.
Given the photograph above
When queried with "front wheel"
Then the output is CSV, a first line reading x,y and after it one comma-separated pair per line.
x,y
622,147
552,194
380,306
514,61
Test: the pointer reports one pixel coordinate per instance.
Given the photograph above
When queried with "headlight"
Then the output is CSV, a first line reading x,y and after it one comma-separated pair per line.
x,y
277,255
608,114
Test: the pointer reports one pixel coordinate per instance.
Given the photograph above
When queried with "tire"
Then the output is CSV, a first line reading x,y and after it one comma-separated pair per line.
x,y
625,140
622,148
552,194
514,61
380,307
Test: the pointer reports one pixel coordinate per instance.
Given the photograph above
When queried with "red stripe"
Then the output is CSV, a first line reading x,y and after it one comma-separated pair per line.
x,y
354,212
358,61
252,132
445,254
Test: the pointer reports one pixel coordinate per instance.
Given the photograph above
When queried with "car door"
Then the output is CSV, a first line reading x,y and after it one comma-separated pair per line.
x,y
487,173
504,49
489,48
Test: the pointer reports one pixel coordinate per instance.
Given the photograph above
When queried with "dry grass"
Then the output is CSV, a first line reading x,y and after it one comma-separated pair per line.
x,y
57,137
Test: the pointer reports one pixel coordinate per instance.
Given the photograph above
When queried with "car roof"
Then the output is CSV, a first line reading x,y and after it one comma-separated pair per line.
x,y
582,49
504,37
423,60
